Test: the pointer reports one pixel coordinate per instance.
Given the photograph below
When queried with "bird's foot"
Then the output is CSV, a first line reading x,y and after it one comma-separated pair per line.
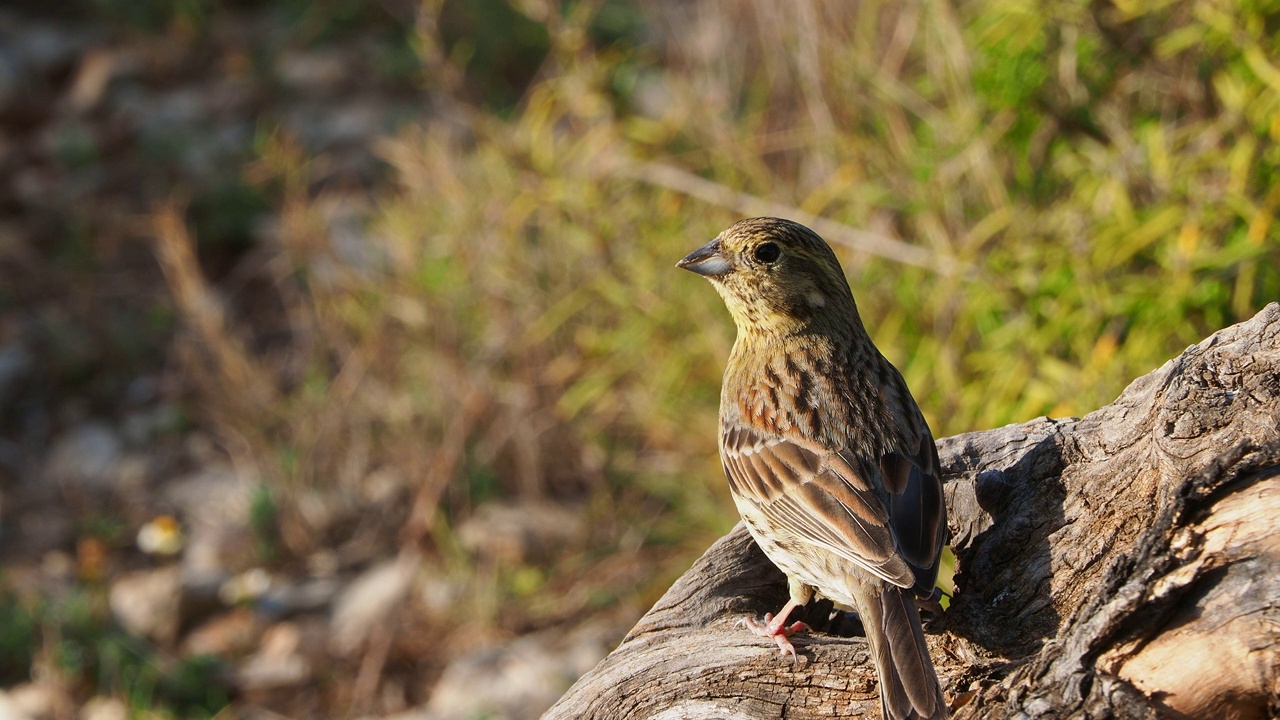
x,y
778,630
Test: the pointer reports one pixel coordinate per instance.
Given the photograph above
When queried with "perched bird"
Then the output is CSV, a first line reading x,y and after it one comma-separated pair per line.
x,y
831,464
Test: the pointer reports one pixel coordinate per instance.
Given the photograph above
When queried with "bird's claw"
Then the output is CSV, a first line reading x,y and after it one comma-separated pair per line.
x,y
779,633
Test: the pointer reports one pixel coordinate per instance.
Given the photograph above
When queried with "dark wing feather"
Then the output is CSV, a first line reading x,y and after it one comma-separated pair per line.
x,y
916,509
816,497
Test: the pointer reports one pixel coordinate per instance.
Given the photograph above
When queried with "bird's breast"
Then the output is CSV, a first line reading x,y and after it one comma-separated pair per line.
x,y
788,395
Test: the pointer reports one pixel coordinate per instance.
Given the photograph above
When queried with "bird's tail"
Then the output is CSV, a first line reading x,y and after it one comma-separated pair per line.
x,y
909,686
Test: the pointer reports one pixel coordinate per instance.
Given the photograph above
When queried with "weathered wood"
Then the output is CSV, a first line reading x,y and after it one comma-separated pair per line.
x,y
1123,564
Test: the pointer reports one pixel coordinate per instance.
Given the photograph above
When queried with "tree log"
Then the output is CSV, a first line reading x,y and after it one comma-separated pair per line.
x,y
1123,564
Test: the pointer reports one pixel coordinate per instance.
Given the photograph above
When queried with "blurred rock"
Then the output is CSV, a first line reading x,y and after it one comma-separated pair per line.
x,y
521,533
9,708
136,428
214,505
352,122
652,95
104,708
142,426
232,633
519,680
144,389
84,456
347,220
32,701
15,364
438,593
133,472
203,450
10,75
147,602
313,69
323,563
278,662
57,565
38,47
413,714
346,126
216,553
214,494
180,108
369,600
283,599
245,587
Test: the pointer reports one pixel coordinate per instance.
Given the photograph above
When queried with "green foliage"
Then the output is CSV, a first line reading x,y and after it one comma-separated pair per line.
x,y
19,629
499,48
150,16
264,524
75,633
223,217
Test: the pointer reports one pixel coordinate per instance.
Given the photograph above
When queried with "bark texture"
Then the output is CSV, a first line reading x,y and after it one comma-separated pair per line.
x,y
1123,564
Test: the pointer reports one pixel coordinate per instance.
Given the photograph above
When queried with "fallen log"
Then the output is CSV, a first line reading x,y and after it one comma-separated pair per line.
x,y
1123,564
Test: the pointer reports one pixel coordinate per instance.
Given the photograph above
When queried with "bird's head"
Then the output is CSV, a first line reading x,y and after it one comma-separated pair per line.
x,y
776,277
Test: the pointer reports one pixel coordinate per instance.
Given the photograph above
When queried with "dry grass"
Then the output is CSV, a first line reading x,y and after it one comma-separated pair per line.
x,y
1035,205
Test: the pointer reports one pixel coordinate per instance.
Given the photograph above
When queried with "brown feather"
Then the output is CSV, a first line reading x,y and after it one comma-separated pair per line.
x,y
829,460
908,683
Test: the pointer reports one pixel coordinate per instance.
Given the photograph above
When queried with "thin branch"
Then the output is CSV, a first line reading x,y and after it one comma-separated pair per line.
x,y
686,183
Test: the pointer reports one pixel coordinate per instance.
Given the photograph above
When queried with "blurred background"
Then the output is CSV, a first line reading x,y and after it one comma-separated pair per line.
x,y
344,369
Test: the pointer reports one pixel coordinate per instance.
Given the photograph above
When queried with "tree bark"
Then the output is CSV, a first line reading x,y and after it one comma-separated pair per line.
x,y
1123,564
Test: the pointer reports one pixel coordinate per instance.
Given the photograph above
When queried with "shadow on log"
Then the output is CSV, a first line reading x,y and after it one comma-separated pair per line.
x,y
1123,564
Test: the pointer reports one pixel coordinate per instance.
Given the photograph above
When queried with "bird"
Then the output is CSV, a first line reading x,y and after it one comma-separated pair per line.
x,y
830,462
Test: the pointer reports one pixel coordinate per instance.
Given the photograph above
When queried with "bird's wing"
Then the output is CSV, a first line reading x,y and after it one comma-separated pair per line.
x,y
812,495
917,513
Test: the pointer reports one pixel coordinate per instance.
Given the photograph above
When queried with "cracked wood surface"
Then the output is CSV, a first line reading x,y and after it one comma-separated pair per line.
x,y
1123,564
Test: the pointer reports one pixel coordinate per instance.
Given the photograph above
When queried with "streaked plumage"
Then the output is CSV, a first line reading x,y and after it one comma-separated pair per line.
x,y
831,464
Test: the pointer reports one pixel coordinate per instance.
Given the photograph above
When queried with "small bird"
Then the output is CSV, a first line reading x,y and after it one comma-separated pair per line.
x,y
830,462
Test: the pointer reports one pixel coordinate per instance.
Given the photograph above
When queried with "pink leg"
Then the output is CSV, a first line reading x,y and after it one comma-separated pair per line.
x,y
777,628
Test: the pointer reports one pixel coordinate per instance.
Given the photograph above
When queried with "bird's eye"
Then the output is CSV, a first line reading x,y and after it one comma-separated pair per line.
x,y
767,252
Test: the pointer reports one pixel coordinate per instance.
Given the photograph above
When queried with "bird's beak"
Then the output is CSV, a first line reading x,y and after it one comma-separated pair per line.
x,y
706,261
